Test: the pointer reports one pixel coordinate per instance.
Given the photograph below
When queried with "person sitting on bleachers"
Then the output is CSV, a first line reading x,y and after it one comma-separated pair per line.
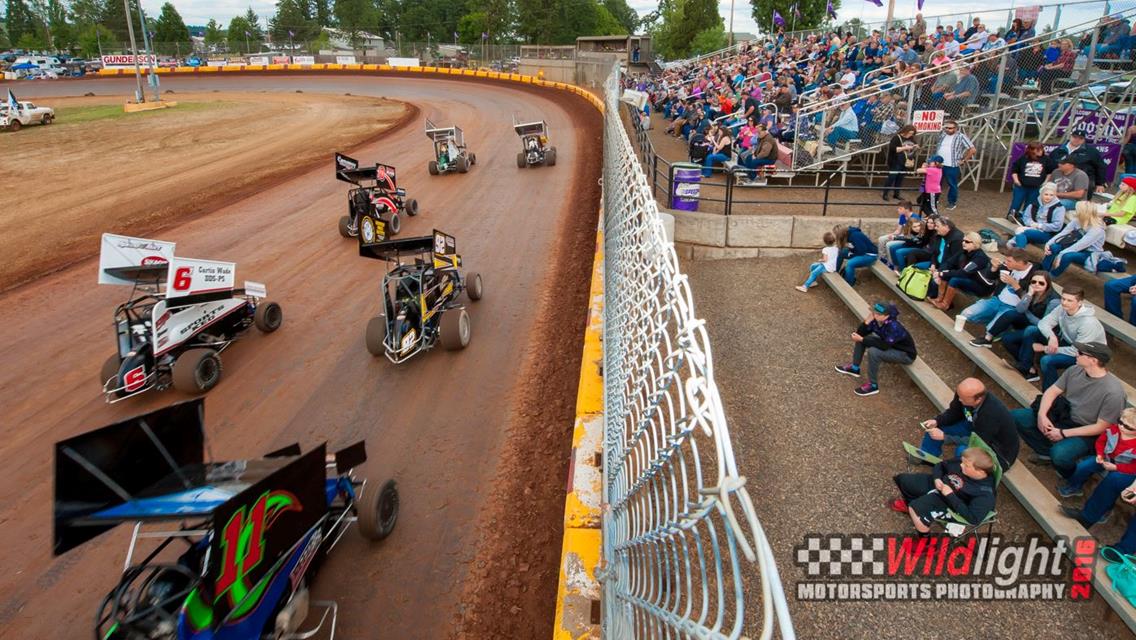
x,y
846,127
964,485
1073,321
973,274
1113,289
1115,452
946,252
917,248
975,410
1032,306
1123,205
1082,236
883,339
721,146
1072,183
1098,507
856,251
1063,423
1040,220
1013,272
889,242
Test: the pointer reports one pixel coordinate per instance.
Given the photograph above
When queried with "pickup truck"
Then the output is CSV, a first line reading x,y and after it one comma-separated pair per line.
x,y
27,114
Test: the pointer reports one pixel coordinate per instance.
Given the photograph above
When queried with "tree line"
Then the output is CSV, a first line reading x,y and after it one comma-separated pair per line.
x,y
85,26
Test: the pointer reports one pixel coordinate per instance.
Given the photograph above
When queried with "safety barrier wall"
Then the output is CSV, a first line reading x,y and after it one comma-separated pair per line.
x,y
652,464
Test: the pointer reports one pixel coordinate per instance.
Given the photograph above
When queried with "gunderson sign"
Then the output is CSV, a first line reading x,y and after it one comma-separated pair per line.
x,y
128,60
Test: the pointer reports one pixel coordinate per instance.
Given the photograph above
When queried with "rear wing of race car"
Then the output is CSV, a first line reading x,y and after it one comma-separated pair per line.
x,y
538,128
347,169
441,134
133,261
441,246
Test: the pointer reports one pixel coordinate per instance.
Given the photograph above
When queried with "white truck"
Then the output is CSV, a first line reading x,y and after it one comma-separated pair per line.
x,y
27,114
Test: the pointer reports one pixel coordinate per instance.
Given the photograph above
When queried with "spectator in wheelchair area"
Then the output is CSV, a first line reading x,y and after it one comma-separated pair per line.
x,y
1038,221
973,410
1073,321
883,339
964,485
1062,425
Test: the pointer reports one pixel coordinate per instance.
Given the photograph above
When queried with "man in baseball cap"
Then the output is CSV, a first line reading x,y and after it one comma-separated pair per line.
x,y
1072,183
1086,158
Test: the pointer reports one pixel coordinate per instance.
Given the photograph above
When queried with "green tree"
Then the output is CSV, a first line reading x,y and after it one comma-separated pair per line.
x,y
170,32
354,17
114,18
292,16
32,41
624,14
680,22
322,12
494,17
85,13
91,37
813,13
214,35
5,43
708,40
19,21
244,36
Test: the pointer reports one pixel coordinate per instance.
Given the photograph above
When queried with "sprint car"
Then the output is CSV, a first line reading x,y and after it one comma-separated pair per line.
x,y
218,550
180,315
534,144
450,152
376,193
421,306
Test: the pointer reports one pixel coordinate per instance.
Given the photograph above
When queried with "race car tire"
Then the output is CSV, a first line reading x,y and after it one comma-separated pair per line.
x,y
473,158
521,160
345,226
432,167
395,224
550,157
268,316
197,371
376,335
463,164
455,329
378,513
110,369
47,118
411,207
473,285
14,125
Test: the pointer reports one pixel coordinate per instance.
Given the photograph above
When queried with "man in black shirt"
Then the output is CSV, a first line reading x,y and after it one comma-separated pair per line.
x,y
974,410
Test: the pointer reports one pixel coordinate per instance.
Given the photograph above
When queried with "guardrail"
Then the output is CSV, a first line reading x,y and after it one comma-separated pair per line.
x,y
679,520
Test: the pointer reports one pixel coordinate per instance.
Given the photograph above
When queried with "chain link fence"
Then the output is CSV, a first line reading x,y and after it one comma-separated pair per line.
x,y
684,553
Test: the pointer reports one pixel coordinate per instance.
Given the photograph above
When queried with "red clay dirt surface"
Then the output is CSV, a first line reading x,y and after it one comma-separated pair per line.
x,y
478,439
67,183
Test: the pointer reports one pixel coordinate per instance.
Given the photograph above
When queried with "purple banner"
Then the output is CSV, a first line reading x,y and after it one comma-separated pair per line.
x,y
1110,152
1095,125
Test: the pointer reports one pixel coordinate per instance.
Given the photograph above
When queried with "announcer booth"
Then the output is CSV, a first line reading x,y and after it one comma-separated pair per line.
x,y
630,50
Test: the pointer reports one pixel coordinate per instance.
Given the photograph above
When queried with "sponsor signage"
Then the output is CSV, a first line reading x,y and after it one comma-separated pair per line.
x,y
191,277
216,63
262,60
345,59
281,59
303,60
126,60
927,121
403,62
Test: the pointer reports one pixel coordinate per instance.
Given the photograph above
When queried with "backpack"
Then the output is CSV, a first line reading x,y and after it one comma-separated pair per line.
x,y
990,240
915,282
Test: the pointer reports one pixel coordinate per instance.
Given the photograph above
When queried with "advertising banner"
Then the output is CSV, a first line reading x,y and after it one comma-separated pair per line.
x,y
303,60
126,60
261,60
403,62
345,59
281,59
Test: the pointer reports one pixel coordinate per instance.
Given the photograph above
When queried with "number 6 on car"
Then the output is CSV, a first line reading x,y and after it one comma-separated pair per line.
x,y
180,315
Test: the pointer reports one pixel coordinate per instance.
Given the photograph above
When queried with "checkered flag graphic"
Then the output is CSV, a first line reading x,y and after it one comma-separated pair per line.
x,y
842,555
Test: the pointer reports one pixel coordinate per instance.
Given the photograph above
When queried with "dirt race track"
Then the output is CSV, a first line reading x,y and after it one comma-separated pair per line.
x,y
478,440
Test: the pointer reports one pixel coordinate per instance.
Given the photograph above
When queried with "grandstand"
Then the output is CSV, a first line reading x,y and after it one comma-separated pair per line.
x,y
1033,84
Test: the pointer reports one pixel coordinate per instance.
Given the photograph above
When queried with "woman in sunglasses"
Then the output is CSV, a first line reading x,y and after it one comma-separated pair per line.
x,y
1116,453
1035,304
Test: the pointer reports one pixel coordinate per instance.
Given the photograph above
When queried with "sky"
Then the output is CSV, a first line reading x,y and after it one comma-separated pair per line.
x,y
198,12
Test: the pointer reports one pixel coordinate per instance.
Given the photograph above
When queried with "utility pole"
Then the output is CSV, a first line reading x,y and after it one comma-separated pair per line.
x,y
891,14
139,96
730,36
149,52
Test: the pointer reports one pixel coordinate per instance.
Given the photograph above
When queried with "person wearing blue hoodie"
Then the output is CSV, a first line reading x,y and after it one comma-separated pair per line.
x,y
883,339
1039,221
1076,242
856,251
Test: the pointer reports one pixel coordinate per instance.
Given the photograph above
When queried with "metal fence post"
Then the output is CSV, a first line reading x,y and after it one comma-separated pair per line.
x,y
824,207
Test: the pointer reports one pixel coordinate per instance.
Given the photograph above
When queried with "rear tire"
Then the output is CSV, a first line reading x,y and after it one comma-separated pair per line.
x,y
110,369
463,164
432,167
473,287
197,371
455,330
378,513
411,207
345,226
550,157
376,335
47,118
520,159
268,316
14,125
395,224
473,158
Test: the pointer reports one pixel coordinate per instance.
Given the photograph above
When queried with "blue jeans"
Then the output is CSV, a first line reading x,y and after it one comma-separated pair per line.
x,y
1067,258
967,285
902,254
1101,502
985,310
1070,205
1112,291
1021,343
836,136
1065,454
711,160
854,263
816,270
753,163
1031,236
893,247
958,434
952,175
1084,470
1023,196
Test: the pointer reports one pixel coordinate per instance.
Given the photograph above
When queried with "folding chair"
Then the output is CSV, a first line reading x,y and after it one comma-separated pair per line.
x,y
955,525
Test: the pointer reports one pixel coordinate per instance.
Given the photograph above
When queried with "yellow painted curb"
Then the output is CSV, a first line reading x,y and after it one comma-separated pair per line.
x,y
578,586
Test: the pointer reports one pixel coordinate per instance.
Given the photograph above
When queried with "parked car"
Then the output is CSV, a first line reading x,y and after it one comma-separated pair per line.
x,y
28,113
